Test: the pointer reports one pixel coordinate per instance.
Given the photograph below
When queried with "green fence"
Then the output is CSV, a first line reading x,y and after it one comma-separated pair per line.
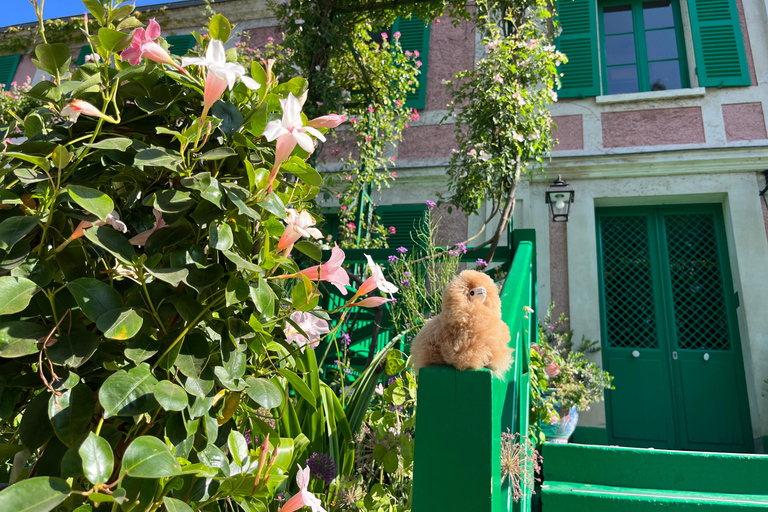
x,y
462,414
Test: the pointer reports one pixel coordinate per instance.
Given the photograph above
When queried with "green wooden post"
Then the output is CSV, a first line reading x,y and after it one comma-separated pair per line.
x,y
461,415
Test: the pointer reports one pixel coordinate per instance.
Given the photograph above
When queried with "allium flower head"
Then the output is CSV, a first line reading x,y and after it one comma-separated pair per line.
x,y
321,465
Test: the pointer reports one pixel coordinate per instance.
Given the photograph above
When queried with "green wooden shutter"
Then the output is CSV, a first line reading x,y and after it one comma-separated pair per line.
x,y
721,60
414,36
84,52
180,45
404,218
8,65
578,41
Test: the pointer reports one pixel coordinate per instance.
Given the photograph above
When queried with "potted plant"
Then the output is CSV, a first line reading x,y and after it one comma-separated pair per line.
x,y
563,380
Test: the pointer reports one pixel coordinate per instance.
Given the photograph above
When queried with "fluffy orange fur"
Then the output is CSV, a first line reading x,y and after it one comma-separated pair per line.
x,y
467,334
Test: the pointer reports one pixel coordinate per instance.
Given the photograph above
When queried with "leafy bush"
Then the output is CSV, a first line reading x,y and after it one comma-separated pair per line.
x,y
156,316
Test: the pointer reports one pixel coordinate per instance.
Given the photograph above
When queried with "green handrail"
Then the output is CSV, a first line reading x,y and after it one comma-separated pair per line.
x,y
462,414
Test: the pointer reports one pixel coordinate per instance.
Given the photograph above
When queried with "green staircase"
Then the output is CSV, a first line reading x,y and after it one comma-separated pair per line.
x,y
580,478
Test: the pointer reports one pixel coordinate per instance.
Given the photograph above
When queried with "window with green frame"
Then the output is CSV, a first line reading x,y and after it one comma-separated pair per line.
x,y
414,37
8,65
643,48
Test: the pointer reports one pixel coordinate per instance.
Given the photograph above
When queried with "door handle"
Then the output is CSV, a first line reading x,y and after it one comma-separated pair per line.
x,y
706,356
674,355
635,353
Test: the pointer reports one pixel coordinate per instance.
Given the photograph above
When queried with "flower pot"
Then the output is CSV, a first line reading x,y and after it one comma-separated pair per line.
x,y
562,430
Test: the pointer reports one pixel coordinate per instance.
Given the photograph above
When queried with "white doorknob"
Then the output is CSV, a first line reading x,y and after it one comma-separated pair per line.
x,y
706,356
635,353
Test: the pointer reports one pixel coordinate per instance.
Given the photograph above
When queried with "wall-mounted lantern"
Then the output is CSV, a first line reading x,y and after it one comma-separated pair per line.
x,y
560,195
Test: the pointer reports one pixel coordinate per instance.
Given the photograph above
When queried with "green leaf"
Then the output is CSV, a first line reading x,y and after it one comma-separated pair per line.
x,y
263,296
40,494
128,393
264,392
61,157
71,412
158,157
170,396
15,294
390,462
149,457
202,278
115,143
141,348
113,241
35,428
241,262
73,349
219,28
218,153
45,91
92,200
172,504
310,249
95,8
120,324
230,115
94,297
172,276
193,355
20,338
221,236
53,58
274,205
300,387
14,229
173,201
39,161
237,291
98,459
303,171
238,448
91,85
112,40
163,239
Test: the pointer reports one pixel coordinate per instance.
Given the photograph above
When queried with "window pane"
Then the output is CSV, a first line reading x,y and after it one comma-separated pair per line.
x,y
658,14
662,44
622,79
620,49
617,19
665,75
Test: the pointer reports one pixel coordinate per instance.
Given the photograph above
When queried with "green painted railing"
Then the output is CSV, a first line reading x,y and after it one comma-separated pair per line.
x,y
461,414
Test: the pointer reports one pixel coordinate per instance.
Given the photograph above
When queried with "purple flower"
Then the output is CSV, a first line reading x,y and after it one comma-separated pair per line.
x,y
392,258
453,252
481,262
402,250
393,301
405,283
407,274
461,247
430,204
346,339
322,467
391,381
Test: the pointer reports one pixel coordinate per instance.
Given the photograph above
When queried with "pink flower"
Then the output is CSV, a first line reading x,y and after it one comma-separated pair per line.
x,y
371,302
76,107
331,271
408,53
221,74
303,498
498,79
392,230
418,63
552,369
143,45
396,35
398,103
376,281
297,225
141,238
368,139
394,175
290,130
384,36
371,110
312,326
112,219
415,115
343,207
416,53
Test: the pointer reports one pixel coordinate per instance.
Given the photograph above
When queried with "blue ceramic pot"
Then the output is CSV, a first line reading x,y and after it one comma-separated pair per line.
x,y
561,431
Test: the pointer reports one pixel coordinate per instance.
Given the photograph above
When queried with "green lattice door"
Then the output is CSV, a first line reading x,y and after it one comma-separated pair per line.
x,y
669,330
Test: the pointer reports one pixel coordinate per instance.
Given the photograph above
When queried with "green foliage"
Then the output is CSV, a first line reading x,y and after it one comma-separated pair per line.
x,y
557,365
501,107
15,100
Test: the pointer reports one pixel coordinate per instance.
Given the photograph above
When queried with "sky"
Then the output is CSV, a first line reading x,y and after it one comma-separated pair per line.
x,y
21,11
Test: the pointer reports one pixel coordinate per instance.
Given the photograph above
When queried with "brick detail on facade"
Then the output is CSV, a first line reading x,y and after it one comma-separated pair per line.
x,y
658,127
558,268
342,146
451,49
427,142
569,133
744,121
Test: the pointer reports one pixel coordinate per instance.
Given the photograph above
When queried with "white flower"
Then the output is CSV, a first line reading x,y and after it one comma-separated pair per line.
x,y
292,123
216,61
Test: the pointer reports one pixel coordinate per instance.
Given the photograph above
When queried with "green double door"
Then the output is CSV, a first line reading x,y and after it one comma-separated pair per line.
x,y
669,330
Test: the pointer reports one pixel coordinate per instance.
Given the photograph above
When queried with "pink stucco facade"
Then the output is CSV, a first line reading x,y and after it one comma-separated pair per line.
x,y
451,49
568,132
427,142
747,44
259,37
656,127
744,121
